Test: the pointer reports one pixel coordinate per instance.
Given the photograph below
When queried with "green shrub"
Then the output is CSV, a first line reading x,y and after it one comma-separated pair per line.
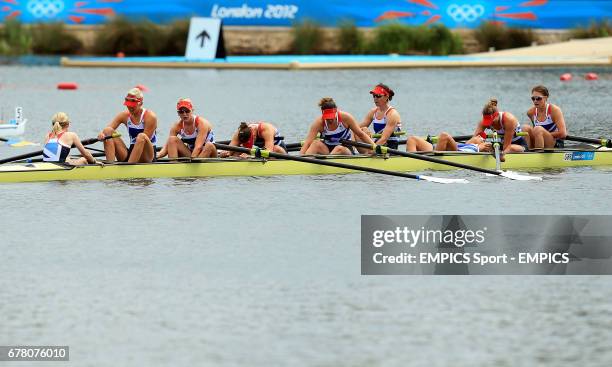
x,y
350,38
595,30
307,37
501,37
520,37
176,38
444,42
53,39
15,38
392,38
404,39
142,38
491,35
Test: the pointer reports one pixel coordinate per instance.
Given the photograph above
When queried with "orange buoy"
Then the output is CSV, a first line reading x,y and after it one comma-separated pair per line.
x,y
120,54
565,77
142,88
591,76
67,86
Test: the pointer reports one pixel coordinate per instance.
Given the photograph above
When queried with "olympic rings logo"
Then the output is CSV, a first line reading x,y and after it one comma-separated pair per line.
x,y
45,8
465,13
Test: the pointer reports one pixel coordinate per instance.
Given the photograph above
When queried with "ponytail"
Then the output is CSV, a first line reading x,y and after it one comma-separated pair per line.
x,y
60,121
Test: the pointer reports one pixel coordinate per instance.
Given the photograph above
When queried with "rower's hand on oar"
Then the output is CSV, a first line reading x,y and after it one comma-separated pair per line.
x,y
244,155
224,154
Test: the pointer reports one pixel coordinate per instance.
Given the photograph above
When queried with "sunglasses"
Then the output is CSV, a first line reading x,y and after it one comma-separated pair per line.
x,y
377,95
536,98
183,111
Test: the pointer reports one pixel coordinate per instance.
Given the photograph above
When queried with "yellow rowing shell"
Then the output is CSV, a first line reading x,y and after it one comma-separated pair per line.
x,y
30,172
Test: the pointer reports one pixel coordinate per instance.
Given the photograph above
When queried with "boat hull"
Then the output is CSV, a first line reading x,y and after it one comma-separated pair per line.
x,y
32,172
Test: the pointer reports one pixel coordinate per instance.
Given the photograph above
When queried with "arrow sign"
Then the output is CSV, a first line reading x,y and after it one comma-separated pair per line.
x,y
203,35
203,38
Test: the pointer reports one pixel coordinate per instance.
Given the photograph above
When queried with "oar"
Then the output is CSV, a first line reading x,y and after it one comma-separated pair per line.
x,y
294,147
434,139
603,142
262,153
39,152
384,150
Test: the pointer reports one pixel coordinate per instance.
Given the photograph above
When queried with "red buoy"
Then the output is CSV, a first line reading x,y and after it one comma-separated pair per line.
x,y
120,54
67,86
591,76
142,88
565,77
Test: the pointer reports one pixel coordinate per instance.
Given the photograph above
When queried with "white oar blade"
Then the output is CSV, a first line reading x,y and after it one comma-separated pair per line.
x,y
444,180
515,176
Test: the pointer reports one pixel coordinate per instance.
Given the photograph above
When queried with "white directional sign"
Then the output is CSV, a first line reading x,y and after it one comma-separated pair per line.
x,y
203,38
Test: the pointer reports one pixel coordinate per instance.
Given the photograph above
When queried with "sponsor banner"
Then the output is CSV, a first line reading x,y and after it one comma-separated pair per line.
x,y
486,244
544,14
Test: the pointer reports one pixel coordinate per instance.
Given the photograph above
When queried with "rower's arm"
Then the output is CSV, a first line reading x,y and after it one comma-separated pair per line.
x,y
315,128
351,124
233,142
479,130
393,119
557,117
113,125
164,150
367,120
268,137
510,123
150,123
201,138
84,152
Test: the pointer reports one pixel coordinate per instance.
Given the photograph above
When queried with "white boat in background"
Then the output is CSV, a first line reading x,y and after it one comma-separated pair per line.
x,y
15,126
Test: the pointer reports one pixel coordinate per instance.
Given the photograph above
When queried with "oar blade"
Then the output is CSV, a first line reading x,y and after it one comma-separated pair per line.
x,y
515,176
443,180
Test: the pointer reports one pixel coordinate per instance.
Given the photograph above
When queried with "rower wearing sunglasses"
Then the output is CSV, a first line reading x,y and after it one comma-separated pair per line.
x,y
504,123
383,118
548,130
333,125
191,136
141,124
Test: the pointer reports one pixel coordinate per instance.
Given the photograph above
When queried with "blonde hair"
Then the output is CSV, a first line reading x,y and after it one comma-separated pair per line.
x,y
491,107
136,93
60,121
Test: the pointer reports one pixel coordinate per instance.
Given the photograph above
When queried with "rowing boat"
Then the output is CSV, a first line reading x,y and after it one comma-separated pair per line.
x,y
211,167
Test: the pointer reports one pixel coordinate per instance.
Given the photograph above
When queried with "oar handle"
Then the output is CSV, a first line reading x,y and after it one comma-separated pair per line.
x,y
603,142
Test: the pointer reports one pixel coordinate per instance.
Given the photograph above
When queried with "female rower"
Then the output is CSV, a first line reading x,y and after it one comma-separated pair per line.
x,y
191,136
447,143
333,125
261,134
501,122
141,124
59,142
383,118
548,130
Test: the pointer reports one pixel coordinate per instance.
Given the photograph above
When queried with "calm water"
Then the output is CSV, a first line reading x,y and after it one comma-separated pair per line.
x,y
265,271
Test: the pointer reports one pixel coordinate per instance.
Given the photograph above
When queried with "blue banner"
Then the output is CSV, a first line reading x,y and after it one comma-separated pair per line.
x,y
542,14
